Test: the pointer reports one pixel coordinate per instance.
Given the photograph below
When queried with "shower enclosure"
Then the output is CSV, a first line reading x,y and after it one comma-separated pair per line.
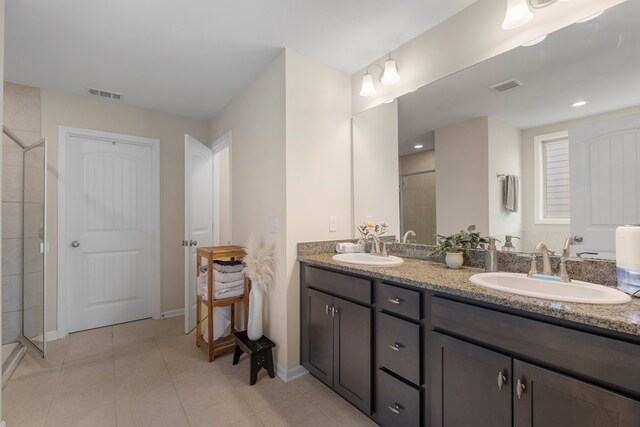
x,y
24,247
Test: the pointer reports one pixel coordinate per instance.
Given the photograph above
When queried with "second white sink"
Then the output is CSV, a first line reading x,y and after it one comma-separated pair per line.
x,y
576,291
368,259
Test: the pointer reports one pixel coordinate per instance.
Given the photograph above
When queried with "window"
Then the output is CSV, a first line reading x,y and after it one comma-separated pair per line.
x,y
552,195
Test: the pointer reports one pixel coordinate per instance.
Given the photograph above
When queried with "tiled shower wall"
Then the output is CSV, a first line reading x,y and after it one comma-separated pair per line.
x,y
22,116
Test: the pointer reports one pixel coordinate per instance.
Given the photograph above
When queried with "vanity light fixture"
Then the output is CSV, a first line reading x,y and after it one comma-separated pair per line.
x,y
518,14
519,11
534,41
418,146
579,103
388,76
589,18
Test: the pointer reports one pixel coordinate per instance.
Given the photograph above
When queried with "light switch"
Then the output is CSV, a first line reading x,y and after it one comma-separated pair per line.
x,y
333,223
273,224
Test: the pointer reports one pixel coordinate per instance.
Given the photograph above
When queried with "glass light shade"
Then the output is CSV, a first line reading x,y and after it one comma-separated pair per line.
x,y
535,41
368,88
390,75
517,14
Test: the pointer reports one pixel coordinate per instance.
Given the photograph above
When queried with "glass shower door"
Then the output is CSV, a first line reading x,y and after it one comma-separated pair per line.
x,y
418,206
34,248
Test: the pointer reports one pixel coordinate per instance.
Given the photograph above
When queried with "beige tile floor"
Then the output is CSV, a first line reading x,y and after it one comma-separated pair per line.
x,y
149,373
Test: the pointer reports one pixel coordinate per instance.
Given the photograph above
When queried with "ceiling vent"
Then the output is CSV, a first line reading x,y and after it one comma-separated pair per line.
x,y
506,85
105,94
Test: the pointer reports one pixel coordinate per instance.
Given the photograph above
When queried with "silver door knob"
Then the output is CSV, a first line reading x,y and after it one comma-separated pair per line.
x,y
75,244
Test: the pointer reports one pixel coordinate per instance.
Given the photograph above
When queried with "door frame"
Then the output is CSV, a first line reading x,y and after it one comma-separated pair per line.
x,y
64,133
219,144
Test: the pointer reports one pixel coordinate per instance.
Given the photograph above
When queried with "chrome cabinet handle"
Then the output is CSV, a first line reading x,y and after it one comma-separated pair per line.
x,y
520,388
395,300
326,309
395,346
395,408
501,380
75,244
334,311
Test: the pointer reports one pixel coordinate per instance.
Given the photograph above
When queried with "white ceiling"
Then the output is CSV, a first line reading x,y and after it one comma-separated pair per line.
x,y
191,57
598,61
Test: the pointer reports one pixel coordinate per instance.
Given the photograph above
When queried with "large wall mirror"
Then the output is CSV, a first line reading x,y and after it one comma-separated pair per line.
x,y
539,143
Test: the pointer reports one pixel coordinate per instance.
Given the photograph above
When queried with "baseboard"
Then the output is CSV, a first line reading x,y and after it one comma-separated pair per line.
x,y
172,313
291,374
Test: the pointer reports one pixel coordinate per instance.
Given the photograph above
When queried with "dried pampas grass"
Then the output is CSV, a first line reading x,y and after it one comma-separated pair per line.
x,y
261,263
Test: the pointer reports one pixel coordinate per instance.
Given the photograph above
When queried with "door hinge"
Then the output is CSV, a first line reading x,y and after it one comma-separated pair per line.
x,y
44,247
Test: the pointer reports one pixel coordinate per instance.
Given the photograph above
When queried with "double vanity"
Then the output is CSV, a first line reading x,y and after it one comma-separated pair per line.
x,y
415,343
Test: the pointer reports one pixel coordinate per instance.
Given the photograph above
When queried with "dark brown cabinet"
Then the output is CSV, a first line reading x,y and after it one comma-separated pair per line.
x,y
339,346
488,385
546,398
470,385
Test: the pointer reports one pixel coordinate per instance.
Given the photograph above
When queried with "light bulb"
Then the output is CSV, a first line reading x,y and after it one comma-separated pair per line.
x,y
517,14
390,75
368,88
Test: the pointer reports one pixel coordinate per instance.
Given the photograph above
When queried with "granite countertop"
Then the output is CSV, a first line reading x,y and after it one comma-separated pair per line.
x,y
624,318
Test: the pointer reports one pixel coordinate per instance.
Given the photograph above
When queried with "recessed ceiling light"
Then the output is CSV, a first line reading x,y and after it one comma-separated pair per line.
x,y
417,146
534,41
589,18
579,103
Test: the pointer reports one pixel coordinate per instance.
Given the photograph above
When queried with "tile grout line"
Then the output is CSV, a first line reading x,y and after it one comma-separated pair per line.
x,y
175,390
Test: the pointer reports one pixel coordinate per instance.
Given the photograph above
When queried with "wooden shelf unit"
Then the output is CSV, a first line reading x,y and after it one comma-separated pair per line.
x,y
204,307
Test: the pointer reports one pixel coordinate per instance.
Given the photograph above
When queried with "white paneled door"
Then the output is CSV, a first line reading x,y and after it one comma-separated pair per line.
x,y
110,231
604,167
198,215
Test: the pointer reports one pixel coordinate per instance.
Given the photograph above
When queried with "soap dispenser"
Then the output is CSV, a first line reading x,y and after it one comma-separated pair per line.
x,y
508,244
491,257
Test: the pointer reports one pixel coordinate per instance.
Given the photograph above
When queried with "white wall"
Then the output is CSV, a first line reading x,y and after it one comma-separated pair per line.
x,y
375,166
291,159
90,113
504,158
318,164
469,37
552,235
256,118
462,166
1,154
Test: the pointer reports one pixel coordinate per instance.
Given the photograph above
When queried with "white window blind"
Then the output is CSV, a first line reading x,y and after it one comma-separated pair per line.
x,y
555,179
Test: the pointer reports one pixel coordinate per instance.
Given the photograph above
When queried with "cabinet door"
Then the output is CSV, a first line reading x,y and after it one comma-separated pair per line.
x,y
470,385
352,353
551,399
319,324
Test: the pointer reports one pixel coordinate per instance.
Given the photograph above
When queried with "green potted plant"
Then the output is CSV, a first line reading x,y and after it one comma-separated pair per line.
x,y
455,245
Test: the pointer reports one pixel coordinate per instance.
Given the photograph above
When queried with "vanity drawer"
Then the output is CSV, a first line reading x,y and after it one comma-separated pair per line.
x,y
399,346
399,300
342,285
610,361
398,403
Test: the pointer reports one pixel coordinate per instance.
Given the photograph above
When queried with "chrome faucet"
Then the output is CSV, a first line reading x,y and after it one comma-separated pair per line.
x,y
408,234
375,249
566,253
546,260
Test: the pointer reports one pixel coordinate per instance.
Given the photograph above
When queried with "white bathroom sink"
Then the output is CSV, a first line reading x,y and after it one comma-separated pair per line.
x,y
575,291
368,259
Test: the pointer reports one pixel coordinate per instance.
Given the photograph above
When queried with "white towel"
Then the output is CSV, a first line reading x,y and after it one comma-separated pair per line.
x,y
347,248
221,323
225,285
228,277
510,193
226,268
229,292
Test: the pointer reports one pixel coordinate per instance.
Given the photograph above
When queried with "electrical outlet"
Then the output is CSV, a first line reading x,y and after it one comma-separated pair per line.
x,y
273,224
333,223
